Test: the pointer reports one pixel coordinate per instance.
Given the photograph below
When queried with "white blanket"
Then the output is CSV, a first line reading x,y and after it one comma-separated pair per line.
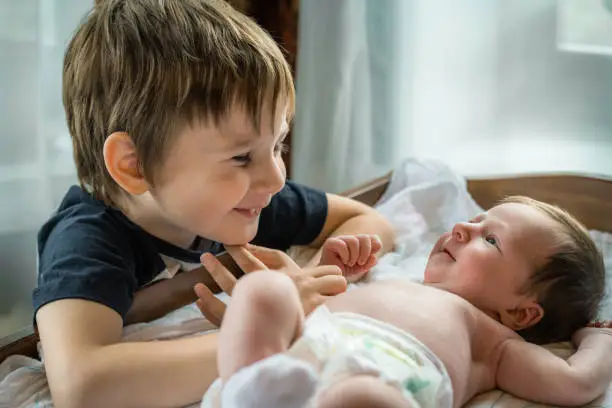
x,y
424,199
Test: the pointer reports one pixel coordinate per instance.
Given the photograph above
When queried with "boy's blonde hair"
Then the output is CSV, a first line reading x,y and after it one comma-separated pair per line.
x,y
148,67
571,282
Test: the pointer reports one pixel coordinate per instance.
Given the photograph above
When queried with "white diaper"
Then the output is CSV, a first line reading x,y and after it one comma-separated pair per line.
x,y
333,347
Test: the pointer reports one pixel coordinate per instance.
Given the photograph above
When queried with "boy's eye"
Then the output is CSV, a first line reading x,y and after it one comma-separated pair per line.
x,y
243,158
491,240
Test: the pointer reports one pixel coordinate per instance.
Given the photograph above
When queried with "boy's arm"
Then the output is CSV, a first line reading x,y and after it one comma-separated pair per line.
x,y
86,365
346,217
164,296
534,373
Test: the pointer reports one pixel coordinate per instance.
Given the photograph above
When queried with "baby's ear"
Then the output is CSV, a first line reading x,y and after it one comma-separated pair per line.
x,y
525,315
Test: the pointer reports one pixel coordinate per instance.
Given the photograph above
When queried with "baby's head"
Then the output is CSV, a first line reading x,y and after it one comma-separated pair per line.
x,y
528,264
178,108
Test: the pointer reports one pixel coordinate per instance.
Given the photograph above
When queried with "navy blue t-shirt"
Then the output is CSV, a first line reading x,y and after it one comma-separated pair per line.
x,y
91,251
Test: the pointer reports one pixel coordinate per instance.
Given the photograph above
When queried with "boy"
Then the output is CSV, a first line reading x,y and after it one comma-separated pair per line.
x,y
177,111
523,268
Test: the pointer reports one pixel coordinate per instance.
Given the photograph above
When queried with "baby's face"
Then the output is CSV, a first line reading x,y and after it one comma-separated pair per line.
x,y
489,260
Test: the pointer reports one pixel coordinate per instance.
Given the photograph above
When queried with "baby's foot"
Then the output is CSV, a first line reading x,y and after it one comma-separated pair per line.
x,y
279,381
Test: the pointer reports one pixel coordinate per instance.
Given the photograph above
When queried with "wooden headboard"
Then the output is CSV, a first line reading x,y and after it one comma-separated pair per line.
x,y
589,199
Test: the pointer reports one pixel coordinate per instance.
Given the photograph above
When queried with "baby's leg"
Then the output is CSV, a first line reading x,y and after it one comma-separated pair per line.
x,y
263,318
362,391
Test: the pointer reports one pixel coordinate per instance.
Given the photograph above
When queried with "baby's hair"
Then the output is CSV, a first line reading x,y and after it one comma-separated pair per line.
x,y
571,282
150,67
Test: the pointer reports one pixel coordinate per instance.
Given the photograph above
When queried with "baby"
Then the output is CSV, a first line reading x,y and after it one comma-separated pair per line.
x,y
524,270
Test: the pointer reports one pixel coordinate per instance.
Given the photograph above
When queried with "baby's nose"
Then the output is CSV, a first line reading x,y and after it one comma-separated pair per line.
x,y
461,233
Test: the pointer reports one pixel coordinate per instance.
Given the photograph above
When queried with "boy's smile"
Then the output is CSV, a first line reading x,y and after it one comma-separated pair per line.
x,y
216,180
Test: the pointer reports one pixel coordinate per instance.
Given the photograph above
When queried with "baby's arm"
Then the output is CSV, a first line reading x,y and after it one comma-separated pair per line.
x,y
534,373
349,217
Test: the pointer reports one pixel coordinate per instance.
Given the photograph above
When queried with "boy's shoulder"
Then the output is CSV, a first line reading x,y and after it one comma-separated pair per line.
x,y
91,251
81,221
296,216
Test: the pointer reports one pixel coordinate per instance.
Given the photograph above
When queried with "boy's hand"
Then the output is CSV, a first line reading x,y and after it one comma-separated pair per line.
x,y
314,284
355,255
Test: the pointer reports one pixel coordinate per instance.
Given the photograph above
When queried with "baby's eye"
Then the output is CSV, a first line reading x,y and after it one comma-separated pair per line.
x,y
242,159
491,240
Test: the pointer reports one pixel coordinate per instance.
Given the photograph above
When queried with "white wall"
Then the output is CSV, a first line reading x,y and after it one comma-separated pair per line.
x,y
36,165
494,95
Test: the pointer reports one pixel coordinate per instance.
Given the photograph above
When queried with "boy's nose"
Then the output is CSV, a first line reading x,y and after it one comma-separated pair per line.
x,y
272,178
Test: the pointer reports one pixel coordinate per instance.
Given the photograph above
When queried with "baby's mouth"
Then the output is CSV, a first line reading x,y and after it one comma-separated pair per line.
x,y
446,251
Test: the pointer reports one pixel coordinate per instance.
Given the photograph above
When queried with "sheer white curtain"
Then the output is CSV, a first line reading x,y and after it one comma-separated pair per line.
x,y
36,164
353,84
485,85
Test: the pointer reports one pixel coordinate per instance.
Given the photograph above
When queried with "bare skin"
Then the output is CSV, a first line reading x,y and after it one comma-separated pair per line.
x,y
466,313
200,192
473,357
479,353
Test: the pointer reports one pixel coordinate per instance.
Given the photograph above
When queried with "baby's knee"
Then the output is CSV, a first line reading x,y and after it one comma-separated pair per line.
x,y
266,291
362,392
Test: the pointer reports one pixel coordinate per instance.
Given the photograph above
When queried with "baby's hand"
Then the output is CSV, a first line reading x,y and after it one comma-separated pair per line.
x,y
354,254
602,331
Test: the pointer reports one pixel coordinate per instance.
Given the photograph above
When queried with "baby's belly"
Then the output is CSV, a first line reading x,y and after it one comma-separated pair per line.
x,y
441,321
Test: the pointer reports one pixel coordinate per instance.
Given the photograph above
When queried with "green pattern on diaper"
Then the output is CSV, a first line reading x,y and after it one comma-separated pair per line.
x,y
372,343
414,385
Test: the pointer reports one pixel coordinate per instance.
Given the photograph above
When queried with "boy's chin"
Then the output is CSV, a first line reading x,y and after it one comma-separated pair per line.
x,y
237,236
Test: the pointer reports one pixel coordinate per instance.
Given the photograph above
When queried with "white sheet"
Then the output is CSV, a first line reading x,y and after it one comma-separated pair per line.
x,y
424,199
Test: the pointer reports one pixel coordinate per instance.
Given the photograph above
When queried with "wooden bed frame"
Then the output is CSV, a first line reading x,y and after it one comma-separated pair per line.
x,y
588,198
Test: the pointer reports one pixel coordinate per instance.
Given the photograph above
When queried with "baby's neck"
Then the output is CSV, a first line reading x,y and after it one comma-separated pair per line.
x,y
493,315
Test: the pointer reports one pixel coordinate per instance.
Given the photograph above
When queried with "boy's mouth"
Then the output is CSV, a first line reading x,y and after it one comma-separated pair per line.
x,y
248,212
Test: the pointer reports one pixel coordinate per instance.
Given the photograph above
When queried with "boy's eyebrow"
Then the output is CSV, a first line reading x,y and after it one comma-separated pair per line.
x,y
243,140
241,143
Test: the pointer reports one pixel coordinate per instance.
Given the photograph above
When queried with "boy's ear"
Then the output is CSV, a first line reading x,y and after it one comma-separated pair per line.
x,y
523,316
122,163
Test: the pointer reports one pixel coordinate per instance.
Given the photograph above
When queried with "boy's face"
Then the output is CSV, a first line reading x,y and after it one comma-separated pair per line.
x,y
489,260
217,178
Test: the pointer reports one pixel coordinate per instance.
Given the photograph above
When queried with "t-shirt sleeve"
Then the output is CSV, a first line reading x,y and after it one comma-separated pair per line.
x,y
87,259
295,216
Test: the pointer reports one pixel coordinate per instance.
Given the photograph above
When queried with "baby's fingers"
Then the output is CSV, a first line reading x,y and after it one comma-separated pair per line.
x,y
376,244
365,249
353,246
339,247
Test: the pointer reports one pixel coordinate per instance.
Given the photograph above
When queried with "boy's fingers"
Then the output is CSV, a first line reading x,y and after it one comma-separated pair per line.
x,y
245,259
219,273
330,285
324,270
272,258
214,320
211,307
